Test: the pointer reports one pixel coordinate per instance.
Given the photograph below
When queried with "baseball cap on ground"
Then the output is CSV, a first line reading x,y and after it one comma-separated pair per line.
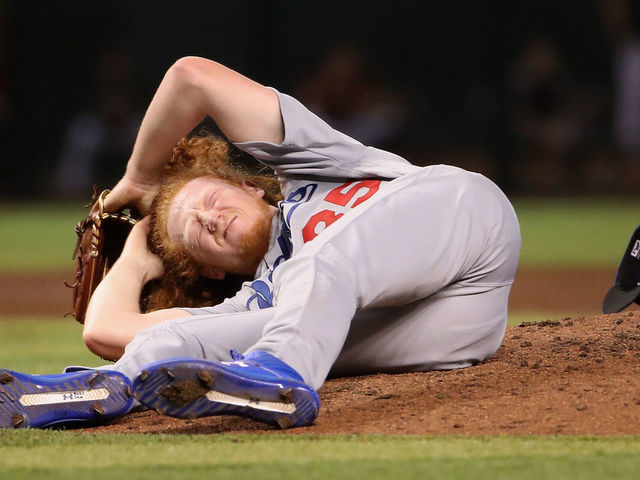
x,y
626,288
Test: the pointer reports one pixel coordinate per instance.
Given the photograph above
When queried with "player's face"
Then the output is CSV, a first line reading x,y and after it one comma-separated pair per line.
x,y
225,228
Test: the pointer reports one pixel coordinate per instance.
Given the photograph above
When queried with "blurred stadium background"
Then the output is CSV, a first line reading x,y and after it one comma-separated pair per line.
x,y
542,96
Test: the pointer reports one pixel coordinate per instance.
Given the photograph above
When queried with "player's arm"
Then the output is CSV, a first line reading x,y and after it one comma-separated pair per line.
x,y
113,317
311,147
191,89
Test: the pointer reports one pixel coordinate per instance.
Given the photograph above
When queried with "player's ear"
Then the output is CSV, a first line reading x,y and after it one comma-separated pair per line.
x,y
212,272
253,188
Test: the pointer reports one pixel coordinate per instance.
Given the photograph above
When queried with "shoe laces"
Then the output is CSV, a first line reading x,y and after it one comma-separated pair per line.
x,y
235,355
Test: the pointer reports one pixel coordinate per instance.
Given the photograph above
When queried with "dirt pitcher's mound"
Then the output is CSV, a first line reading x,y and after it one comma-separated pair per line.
x,y
576,376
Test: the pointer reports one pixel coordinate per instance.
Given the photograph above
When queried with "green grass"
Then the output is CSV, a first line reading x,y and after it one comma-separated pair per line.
x,y
575,233
38,236
43,345
31,454
516,318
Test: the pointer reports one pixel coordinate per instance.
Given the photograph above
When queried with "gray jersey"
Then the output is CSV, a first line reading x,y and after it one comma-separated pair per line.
x,y
323,174
374,265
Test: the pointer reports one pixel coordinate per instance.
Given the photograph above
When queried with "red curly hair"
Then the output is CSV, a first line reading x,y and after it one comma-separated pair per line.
x,y
182,285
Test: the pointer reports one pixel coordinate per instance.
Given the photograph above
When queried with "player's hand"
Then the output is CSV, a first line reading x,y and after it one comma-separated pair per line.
x,y
131,193
137,251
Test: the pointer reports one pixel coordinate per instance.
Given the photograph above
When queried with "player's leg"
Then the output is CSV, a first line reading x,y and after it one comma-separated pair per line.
x,y
202,336
424,233
441,332
184,369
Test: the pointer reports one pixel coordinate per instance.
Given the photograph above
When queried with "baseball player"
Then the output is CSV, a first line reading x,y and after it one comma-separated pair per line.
x,y
368,264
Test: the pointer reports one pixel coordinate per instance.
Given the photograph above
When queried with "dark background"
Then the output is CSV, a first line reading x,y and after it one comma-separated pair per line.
x,y
468,88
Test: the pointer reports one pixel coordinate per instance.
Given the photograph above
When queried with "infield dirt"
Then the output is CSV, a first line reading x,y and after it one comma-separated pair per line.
x,y
575,376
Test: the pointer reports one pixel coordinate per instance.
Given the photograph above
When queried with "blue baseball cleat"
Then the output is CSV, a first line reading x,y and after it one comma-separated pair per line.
x,y
89,396
259,386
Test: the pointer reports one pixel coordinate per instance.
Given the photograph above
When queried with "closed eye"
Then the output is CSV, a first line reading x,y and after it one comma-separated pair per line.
x,y
210,200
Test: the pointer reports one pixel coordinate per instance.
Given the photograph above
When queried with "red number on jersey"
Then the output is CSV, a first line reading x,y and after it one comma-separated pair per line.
x,y
326,216
338,197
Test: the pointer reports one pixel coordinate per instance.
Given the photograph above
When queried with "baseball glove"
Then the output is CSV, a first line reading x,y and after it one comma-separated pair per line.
x,y
101,237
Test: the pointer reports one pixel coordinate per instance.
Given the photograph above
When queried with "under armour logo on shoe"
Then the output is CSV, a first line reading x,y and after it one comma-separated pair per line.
x,y
636,250
72,396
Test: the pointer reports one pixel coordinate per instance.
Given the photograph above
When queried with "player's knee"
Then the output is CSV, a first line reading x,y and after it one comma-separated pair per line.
x,y
169,338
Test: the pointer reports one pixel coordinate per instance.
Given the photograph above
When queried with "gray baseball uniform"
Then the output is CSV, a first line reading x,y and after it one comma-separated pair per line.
x,y
374,265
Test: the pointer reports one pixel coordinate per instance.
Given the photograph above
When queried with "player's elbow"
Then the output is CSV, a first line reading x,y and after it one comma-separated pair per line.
x,y
103,342
191,73
187,68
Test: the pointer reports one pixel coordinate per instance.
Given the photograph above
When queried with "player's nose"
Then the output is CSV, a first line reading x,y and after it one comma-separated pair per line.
x,y
209,221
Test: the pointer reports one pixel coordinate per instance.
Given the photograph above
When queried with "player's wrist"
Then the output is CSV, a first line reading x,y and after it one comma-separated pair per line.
x,y
141,178
130,268
140,266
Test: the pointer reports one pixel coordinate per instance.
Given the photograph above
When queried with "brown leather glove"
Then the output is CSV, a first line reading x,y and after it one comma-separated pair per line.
x,y
101,237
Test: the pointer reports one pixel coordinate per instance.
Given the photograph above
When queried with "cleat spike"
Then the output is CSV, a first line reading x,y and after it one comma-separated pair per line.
x,y
94,378
97,408
17,420
6,394
5,378
143,375
286,395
